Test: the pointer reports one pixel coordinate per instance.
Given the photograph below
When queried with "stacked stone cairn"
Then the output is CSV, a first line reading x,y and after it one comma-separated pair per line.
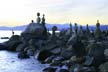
x,y
71,50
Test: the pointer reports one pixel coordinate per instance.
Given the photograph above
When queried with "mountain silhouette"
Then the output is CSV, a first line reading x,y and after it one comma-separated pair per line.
x,y
49,26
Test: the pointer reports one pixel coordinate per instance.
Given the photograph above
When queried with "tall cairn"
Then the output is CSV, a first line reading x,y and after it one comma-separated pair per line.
x,y
81,29
87,29
38,18
54,28
35,30
76,28
43,24
43,20
98,30
71,28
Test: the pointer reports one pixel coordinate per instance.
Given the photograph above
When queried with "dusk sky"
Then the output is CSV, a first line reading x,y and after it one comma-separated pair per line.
x,y
21,12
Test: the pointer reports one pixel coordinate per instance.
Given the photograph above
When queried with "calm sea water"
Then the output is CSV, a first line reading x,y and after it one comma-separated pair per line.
x,y
10,63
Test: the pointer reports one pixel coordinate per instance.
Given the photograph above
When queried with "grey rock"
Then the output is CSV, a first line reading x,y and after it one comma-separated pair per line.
x,y
49,59
106,53
56,50
57,61
13,42
21,47
72,39
81,68
31,52
66,53
49,69
88,60
34,30
23,55
104,67
44,54
3,47
96,51
78,48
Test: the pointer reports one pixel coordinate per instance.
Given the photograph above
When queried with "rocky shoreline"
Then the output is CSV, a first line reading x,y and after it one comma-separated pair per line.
x,y
71,50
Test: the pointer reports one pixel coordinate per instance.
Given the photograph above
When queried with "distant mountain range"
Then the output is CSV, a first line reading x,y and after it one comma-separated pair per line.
x,y
49,26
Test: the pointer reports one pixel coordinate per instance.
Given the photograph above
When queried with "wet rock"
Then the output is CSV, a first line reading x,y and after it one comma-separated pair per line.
x,y
63,68
49,59
43,55
58,58
3,47
103,67
21,47
13,42
57,61
12,61
49,69
23,55
31,52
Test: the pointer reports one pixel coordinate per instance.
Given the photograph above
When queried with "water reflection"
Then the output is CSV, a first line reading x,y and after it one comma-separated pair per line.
x,y
10,63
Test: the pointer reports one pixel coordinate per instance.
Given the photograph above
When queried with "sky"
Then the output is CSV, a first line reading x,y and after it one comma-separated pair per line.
x,y
21,12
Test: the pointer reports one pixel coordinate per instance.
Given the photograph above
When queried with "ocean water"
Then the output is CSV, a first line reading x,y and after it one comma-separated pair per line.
x,y
10,63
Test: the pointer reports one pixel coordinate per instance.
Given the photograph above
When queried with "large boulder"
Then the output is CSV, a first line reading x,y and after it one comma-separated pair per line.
x,y
78,48
88,61
57,61
13,42
44,54
23,55
66,53
3,47
96,50
34,30
31,50
21,47
50,46
72,39
68,34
